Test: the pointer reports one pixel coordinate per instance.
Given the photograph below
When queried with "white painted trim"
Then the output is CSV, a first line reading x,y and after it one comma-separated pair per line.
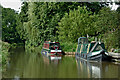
x,y
98,52
56,50
95,53
106,53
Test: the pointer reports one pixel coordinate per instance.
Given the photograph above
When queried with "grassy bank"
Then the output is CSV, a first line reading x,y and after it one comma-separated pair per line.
x,y
4,47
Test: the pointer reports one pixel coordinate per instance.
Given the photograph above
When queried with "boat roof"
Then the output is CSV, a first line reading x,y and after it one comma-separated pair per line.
x,y
81,37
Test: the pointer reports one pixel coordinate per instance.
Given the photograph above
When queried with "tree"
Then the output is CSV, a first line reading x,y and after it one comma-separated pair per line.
x,y
9,33
38,22
21,18
108,27
75,24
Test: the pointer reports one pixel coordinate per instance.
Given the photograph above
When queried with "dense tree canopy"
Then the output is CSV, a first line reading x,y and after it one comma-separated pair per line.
x,y
9,33
75,24
107,26
39,21
63,21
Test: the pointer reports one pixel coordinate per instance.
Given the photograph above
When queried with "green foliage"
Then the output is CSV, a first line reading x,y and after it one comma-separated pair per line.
x,y
38,22
112,39
9,33
107,20
108,27
104,25
60,21
21,18
68,46
4,47
75,24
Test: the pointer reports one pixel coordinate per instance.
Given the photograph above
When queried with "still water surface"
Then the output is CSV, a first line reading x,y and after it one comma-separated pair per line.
x,y
33,65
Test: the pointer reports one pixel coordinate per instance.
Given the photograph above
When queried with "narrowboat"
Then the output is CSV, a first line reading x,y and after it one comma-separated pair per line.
x,y
52,49
94,50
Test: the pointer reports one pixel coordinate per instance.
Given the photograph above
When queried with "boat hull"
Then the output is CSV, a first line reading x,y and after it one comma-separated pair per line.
x,y
50,57
96,56
100,57
52,53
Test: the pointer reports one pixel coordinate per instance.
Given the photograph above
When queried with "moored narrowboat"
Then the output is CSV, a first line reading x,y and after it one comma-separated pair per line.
x,y
52,49
94,50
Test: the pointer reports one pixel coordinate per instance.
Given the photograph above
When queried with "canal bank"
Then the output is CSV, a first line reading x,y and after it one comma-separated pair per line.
x,y
4,54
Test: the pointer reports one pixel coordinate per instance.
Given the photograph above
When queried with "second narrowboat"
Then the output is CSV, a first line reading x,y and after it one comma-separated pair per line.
x,y
94,50
52,49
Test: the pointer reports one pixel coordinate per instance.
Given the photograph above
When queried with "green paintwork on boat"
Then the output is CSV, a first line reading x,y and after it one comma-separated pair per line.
x,y
85,46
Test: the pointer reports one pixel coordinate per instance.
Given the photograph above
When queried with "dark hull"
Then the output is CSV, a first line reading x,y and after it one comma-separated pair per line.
x,y
98,57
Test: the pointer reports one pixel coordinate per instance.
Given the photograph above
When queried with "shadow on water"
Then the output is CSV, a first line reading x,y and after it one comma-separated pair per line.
x,y
33,65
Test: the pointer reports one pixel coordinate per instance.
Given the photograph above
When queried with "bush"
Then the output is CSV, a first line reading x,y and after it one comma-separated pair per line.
x,y
68,46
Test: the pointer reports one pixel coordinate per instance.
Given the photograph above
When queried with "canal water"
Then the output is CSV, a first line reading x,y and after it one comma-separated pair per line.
x,y
33,65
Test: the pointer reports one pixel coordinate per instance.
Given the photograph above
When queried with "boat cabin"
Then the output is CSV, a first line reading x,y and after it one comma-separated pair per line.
x,y
85,47
51,45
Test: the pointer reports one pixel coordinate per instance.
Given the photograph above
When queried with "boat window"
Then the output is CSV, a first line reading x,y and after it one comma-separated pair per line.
x,y
83,41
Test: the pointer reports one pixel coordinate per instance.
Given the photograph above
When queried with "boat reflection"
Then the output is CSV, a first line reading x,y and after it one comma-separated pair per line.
x,y
88,69
52,59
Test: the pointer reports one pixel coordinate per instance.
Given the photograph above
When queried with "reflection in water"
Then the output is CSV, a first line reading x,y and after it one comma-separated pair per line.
x,y
34,65
55,60
89,70
97,69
